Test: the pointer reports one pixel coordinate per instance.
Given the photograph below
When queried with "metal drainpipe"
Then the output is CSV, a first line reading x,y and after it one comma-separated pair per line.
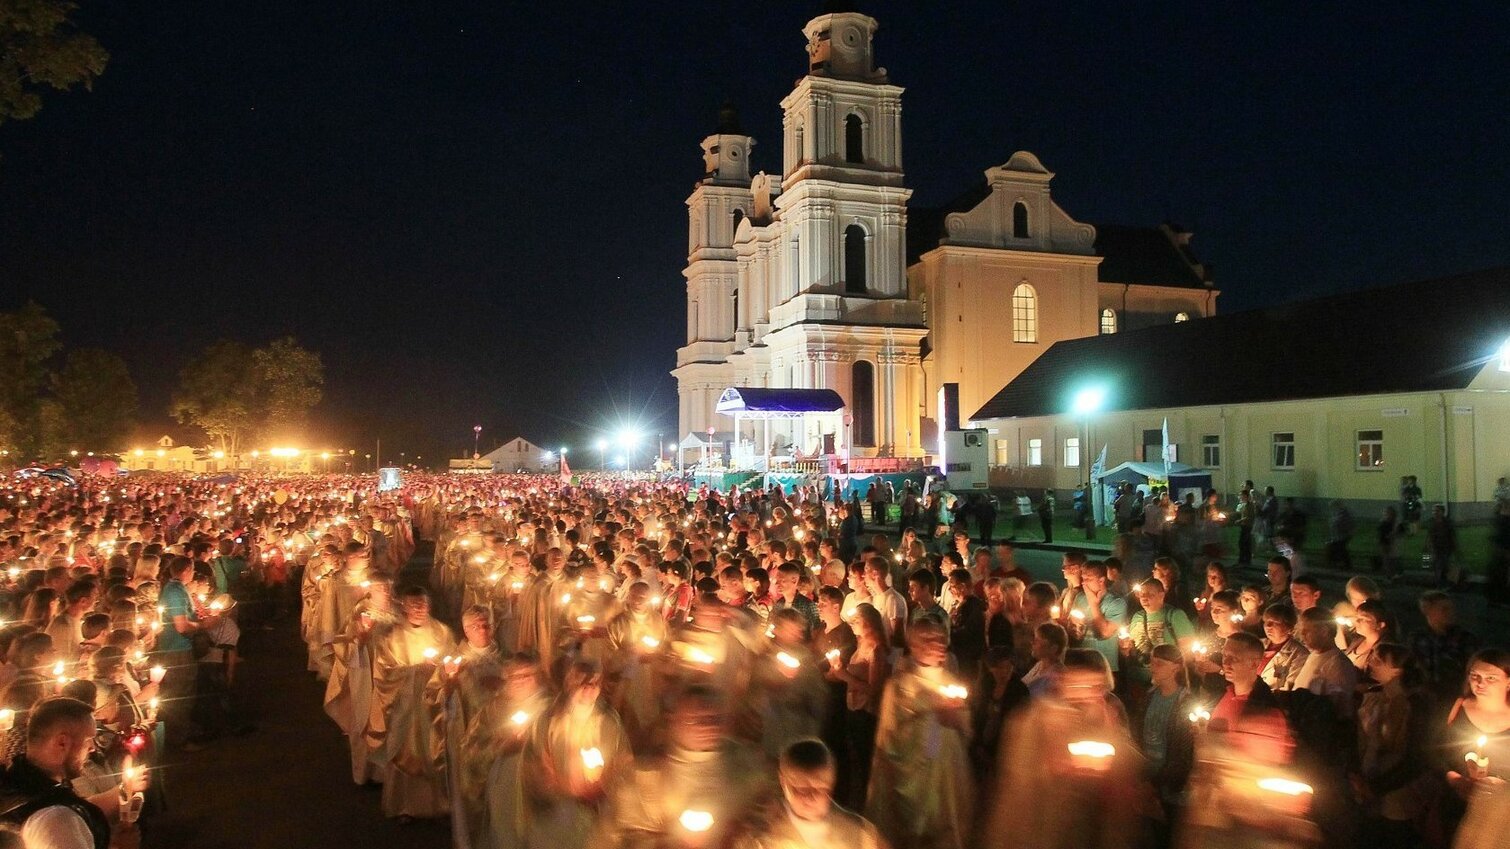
x,y
1446,476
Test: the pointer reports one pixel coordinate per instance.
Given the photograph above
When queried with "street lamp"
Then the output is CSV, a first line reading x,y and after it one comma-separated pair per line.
x,y
1086,403
476,436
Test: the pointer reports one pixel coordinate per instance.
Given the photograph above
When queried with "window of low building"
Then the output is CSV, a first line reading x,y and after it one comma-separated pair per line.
x,y
1211,451
1284,450
1035,452
1370,450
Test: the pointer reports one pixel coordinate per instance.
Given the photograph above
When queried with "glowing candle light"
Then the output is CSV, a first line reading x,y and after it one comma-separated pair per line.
x,y
832,655
696,822
1285,786
954,691
7,719
650,642
1092,749
697,655
787,660
519,718
156,673
431,653
1054,612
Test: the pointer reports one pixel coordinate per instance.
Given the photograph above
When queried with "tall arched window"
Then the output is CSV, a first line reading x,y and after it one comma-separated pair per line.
x,y
738,216
862,404
854,259
854,139
1024,314
1181,316
1108,321
1019,220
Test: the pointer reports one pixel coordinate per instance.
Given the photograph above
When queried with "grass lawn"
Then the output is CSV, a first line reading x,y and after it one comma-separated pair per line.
x,y
1473,542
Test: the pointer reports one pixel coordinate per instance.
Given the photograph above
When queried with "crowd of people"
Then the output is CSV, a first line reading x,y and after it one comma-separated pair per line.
x,y
617,662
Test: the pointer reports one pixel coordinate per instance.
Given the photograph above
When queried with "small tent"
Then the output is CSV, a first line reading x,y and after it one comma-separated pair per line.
x,y
1146,476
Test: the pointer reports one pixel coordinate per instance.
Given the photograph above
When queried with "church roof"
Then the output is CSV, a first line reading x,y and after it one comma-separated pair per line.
x,y
1149,256
1152,256
1425,336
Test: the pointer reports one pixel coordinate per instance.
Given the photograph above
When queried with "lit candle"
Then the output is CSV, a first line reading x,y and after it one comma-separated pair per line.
x,y
1200,717
697,655
566,598
696,822
1077,615
592,764
152,706
1480,761
586,622
787,660
519,718
650,642
7,719
1124,634
1054,612
431,654
832,655
954,691
156,673
1285,786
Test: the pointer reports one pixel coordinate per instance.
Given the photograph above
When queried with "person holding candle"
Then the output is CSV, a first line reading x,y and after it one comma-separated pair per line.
x,y
348,694
636,639
338,600
572,755
863,674
921,791
461,685
1069,776
707,789
1284,653
174,651
807,814
1479,722
35,792
399,728
542,608
496,736
789,687
1391,778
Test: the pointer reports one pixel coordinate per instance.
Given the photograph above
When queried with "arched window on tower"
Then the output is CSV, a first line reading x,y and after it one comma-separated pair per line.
x,y
737,216
1019,220
854,139
1024,314
854,259
862,404
1108,321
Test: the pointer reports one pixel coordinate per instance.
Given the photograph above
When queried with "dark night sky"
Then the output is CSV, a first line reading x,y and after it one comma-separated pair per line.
x,y
474,211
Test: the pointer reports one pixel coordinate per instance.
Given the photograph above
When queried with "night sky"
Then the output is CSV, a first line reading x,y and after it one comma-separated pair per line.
x,y
475,211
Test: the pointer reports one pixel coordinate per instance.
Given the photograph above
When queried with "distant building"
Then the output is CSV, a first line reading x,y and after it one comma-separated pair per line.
x,y
822,277
164,455
518,455
1336,397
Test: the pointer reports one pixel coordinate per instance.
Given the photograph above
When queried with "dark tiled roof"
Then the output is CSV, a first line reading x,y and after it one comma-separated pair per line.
x,y
1146,255
1425,336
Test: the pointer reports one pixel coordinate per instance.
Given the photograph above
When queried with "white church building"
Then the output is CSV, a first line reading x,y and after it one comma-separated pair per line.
x,y
822,278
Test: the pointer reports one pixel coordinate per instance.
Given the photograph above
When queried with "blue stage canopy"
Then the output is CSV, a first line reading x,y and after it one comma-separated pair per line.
x,y
759,403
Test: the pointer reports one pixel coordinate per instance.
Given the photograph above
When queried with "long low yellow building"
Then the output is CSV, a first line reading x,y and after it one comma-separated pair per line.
x,y
1333,398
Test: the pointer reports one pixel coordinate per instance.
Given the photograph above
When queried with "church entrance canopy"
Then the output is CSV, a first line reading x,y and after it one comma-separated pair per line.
x,y
762,404
750,402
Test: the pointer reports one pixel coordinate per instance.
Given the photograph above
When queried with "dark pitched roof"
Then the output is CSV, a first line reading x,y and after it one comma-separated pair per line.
x,y
1152,256
1424,336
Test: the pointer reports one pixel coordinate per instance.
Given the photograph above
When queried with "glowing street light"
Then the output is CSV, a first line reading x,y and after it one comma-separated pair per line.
x,y
602,446
1087,402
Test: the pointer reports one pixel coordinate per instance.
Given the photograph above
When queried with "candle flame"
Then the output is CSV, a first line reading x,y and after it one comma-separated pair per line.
x,y
519,717
1092,749
592,759
1285,786
650,642
696,821
787,660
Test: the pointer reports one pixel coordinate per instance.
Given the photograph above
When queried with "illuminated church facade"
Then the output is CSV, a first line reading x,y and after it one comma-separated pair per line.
x,y
822,278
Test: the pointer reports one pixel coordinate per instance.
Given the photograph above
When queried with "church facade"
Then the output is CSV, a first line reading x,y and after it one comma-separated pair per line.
x,y
822,278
